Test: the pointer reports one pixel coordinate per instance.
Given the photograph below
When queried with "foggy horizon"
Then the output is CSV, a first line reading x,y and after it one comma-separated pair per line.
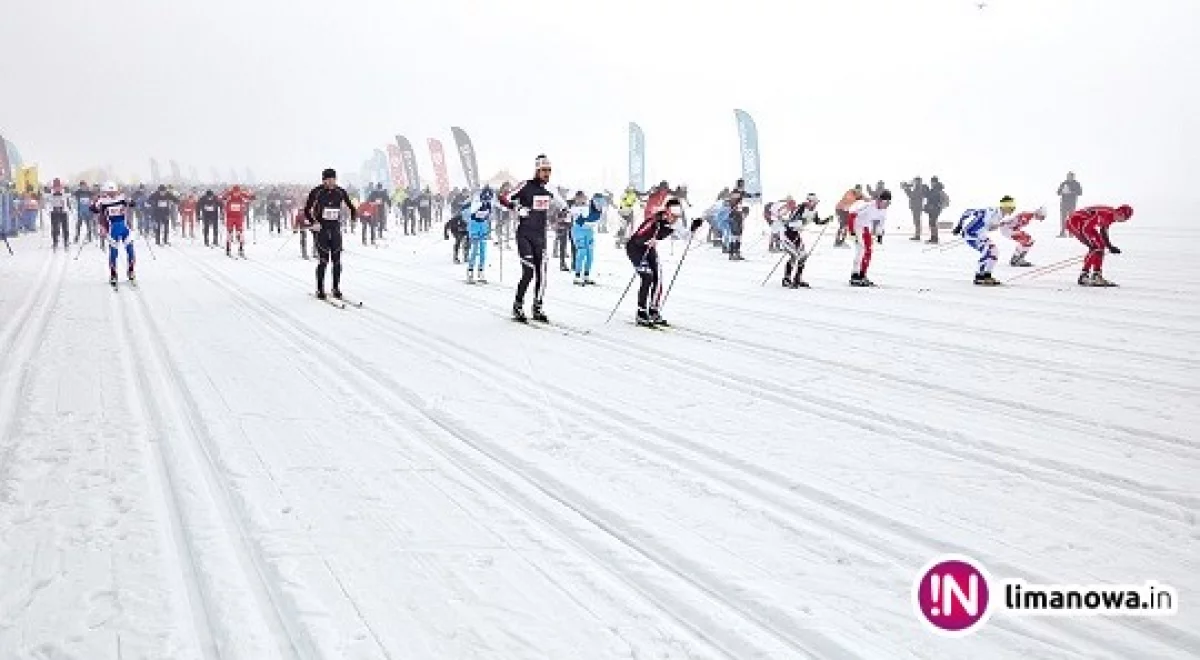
x,y
1008,98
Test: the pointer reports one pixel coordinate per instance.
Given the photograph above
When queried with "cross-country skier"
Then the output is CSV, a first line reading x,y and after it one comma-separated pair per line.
x,y
1090,226
643,254
479,227
58,201
324,207
456,225
211,208
237,206
160,203
842,210
625,213
974,225
1013,227
791,241
187,215
737,218
866,221
113,207
84,218
584,216
533,200
369,212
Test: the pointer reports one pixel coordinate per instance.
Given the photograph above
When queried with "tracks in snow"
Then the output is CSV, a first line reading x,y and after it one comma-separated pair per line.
x,y
776,492
239,609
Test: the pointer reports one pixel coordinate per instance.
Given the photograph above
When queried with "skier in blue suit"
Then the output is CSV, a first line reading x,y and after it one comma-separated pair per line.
x,y
116,208
584,216
478,215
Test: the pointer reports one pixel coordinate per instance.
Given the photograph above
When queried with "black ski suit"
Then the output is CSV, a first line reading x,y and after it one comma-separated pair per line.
x,y
533,202
324,206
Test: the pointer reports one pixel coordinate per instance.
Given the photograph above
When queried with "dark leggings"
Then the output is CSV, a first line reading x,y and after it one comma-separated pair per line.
x,y
329,248
532,250
645,262
60,226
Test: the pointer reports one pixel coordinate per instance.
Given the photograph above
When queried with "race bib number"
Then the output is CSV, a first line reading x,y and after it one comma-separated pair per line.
x,y
332,214
210,208
162,204
541,203
235,208
85,200
114,211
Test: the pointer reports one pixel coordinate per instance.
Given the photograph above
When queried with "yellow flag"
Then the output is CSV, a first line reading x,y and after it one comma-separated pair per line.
x,y
27,177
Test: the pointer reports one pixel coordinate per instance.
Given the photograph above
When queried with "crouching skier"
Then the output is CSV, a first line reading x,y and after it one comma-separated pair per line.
x,y
1013,227
479,230
791,241
1090,227
643,254
584,216
974,225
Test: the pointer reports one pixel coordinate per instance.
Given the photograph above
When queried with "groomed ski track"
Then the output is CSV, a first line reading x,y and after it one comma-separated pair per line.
x,y
215,465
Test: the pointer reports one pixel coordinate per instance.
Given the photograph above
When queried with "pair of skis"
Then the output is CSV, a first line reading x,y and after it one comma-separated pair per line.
x,y
340,303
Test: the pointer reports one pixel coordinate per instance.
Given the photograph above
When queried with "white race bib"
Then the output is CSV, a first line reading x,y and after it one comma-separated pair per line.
x,y
114,211
210,208
235,207
332,214
541,203
162,204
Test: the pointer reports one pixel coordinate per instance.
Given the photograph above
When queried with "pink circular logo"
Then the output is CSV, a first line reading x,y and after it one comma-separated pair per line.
x,y
951,595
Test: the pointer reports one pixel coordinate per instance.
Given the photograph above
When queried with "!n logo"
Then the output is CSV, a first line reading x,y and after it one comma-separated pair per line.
x,y
951,595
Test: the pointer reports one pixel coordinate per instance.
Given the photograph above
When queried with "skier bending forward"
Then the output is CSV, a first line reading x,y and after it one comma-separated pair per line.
x,y
643,253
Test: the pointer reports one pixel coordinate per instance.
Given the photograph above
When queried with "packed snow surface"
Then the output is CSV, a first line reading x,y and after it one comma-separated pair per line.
x,y
217,465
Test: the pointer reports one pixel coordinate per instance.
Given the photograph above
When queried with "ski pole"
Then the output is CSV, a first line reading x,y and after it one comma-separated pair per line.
x,y
149,249
285,242
7,245
943,248
678,267
80,250
1050,268
775,268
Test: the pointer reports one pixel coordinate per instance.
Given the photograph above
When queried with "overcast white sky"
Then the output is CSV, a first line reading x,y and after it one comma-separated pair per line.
x,y
1003,100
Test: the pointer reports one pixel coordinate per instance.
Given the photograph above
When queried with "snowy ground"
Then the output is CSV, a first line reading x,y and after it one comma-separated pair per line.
x,y
216,465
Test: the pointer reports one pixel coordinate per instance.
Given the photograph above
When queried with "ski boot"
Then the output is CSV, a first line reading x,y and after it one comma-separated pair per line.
x,y
932,241
518,313
228,251
578,281
1018,261
1098,280
112,277
470,277
799,284
336,293
1085,279
658,320
242,252
986,279
564,268
643,319
129,274
321,294
588,281
915,238
860,280
537,314
481,278
787,282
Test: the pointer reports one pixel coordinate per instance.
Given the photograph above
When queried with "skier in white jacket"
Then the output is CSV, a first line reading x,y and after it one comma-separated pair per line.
x,y
867,221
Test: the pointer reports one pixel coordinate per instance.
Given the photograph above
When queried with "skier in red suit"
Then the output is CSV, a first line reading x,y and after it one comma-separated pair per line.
x,y
1090,225
237,206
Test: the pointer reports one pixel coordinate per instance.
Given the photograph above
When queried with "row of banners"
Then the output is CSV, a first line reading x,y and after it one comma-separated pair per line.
x,y
11,166
398,163
747,144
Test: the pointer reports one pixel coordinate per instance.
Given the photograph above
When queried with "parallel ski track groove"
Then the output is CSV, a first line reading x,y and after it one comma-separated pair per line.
x,y
386,389
266,591
773,480
982,452
200,603
24,335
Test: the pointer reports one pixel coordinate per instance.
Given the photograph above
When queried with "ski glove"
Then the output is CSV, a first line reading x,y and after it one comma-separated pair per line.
x,y
1114,249
956,231
879,239
696,224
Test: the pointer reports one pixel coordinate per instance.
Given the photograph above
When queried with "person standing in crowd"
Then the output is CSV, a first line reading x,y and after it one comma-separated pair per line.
x,y
936,201
383,205
211,208
58,202
84,218
160,204
916,192
1069,192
